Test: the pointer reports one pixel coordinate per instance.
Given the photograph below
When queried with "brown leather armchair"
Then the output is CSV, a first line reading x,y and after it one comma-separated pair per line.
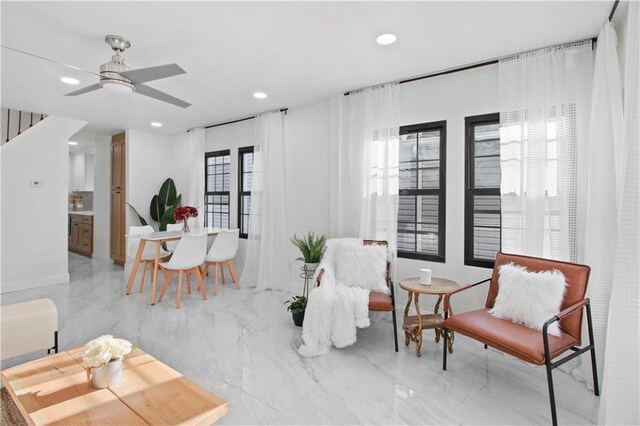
x,y
380,302
527,344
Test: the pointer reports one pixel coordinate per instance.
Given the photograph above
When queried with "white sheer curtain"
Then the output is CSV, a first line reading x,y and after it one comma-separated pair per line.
x,y
195,196
267,263
544,110
369,165
604,159
620,388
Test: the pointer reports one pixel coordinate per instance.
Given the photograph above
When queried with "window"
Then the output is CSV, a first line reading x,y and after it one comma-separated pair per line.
x,y
482,195
216,203
245,159
421,210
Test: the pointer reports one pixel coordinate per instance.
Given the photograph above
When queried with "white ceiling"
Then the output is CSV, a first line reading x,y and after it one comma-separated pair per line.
x,y
297,52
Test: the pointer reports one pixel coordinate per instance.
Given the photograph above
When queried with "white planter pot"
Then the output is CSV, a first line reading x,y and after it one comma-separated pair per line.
x,y
311,267
109,374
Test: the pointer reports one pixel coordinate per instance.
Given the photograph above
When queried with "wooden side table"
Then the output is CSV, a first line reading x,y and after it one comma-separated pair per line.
x,y
414,324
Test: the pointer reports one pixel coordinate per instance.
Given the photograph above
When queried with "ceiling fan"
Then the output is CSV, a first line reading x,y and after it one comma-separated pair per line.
x,y
117,77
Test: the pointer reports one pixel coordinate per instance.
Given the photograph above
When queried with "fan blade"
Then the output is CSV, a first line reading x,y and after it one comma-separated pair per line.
x,y
49,60
144,75
85,90
161,96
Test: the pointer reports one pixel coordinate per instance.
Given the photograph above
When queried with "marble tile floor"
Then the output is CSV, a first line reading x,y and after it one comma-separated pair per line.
x,y
242,346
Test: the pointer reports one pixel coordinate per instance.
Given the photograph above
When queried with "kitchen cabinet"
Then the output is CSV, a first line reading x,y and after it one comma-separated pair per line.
x,y
81,234
81,168
118,199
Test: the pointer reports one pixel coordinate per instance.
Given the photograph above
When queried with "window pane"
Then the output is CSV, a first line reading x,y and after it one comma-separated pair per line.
x,y
429,145
419,224
487,172
245,184
484,210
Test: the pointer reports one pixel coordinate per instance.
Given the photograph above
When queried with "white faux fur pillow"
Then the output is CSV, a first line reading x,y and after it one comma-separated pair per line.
x,y
362,266
529,298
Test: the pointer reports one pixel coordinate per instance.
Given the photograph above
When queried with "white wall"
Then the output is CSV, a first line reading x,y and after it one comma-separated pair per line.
x,y
35,219
102,200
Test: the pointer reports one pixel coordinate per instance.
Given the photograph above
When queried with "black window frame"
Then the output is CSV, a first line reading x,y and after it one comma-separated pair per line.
x,y
441,192
241,193
471,191
207,155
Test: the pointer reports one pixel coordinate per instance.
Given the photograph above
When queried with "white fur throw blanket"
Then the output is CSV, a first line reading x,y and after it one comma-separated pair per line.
x,y
333,310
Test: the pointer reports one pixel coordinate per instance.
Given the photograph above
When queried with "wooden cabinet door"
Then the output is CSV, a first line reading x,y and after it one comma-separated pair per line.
x,y
118,199
118,162
75,235
118,226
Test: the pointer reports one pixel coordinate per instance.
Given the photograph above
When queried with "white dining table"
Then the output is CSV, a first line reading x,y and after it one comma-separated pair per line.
x,y
158,238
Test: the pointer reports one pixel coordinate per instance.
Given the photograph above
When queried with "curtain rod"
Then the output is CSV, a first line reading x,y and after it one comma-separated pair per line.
x,y
613,9
239,120
454,70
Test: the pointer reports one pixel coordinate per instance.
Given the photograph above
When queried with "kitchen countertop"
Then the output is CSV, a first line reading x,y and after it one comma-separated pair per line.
x,y
82,212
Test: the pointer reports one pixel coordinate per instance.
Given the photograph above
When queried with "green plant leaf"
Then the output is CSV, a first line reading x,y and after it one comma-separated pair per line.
x,y
168,192
167,216
311,247
156,209
142,220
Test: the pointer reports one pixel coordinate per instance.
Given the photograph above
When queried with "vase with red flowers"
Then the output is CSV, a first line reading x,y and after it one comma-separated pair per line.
x,y
183,213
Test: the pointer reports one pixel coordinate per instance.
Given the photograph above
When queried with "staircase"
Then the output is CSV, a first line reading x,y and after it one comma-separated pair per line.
x,y
14,123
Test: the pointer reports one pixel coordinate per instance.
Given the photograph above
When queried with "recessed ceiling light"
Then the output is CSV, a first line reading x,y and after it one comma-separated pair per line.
x,y
259,95
73,143
385,39
156,124
70,80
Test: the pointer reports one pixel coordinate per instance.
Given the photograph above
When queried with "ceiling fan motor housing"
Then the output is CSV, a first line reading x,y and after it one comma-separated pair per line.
x,y
110,74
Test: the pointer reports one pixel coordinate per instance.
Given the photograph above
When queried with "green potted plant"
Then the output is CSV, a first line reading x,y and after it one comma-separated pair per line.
x,y
297,306
312,248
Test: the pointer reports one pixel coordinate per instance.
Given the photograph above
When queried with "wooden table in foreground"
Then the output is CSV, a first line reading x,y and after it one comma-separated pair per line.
x,y
158,238
414,324
54,390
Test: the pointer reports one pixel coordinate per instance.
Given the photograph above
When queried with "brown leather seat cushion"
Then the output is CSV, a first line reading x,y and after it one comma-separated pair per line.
x,y
515,339
380,302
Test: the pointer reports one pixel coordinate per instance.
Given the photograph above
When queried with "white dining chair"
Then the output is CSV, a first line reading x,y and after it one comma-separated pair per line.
x,y
187,258
172,227
222,252
149,253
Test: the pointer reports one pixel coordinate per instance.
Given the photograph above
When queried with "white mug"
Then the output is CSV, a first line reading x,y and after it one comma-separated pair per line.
x,y
425,276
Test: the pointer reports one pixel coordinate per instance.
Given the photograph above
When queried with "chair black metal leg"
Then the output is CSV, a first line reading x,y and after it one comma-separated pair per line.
x,y
395,328
552,396
445,337
55,339
594,366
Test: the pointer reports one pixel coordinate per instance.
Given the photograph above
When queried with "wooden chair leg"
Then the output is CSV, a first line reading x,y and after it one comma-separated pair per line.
x,y
232,272
200,283
144,271
167,281
179,289
215,282
188,282
222,272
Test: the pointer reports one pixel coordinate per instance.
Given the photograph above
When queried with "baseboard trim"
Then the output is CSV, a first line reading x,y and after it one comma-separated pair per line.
x,y
18,285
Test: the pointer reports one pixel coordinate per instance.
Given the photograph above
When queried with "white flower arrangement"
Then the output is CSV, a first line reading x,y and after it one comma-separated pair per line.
x,y
104,349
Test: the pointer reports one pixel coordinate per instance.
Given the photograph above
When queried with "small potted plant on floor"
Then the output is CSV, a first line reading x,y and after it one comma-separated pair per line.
x,y
312,249
297,305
